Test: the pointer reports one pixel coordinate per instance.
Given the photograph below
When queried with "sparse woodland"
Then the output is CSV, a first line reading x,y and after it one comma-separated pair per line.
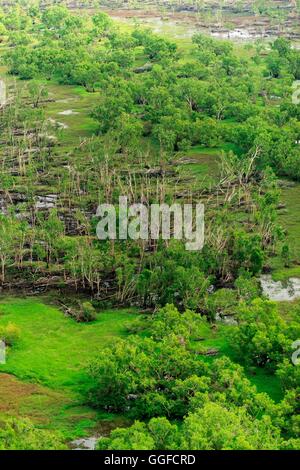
x,y
95,110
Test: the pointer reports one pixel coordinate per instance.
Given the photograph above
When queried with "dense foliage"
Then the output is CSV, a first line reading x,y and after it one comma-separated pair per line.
x,y
151,98
20,434
163,376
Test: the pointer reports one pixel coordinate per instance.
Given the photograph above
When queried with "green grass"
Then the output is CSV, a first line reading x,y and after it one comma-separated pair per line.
x,y
286,273
44,377
289,309
266,383
204,165
289,218
75,98
54,350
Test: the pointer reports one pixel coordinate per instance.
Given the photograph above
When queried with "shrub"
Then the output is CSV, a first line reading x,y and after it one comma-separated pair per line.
x,y
139,376
88,313
21,434
263,338
10,334
222,302
137,326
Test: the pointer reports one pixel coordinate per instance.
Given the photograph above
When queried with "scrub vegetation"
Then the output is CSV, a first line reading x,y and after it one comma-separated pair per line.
x,y
142,343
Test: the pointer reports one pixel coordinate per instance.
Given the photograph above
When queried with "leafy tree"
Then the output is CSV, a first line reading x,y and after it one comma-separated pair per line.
x,y
51,230
262,337
9,240
20,434
159,433
138,375
185,285
168,320
214,427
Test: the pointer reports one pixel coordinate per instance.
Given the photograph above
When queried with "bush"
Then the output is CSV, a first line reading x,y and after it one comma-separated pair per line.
x,y
211,427
21,434
88,313
263,338
139,378
137,326
185,326
10,334
222,302
81,312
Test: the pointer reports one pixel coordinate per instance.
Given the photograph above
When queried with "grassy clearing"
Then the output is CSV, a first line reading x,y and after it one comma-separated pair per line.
x,y
53,349
73,99
202,165
50,409
265,383
44,375
289,218
286,273
287,309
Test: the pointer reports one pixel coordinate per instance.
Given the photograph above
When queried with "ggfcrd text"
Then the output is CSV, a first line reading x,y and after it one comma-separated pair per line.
x,y
163,459
154,222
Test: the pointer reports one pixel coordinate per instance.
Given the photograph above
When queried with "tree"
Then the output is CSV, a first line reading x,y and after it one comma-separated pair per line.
x,y
87,74
20,434
187,326
138,376
9,241
211,427
51,229
282,45
262,337
159,433
37,91
155,47
173,281
102,23
214,427
117,100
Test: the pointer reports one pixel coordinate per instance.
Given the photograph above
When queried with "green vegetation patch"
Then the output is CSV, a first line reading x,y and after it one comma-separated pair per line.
x,y
54,350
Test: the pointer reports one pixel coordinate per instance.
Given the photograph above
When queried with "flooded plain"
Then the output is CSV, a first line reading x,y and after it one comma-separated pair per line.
x,y
185,27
